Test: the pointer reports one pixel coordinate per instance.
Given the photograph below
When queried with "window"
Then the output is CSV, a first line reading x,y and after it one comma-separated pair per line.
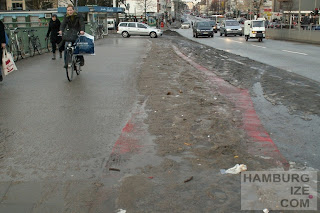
x,y
122,24
141,26
17,6
257,24
232,23
132,25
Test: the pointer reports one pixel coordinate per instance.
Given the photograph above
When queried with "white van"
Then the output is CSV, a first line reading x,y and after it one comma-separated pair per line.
x,y
111,23
254,29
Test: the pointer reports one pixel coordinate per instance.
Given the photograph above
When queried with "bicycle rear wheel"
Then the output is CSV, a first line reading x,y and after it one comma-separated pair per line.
x,y
38,45
31,48
77,66
49,46
21,49
14,52
70,65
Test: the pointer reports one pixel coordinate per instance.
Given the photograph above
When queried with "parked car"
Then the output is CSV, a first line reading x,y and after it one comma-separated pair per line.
x,y
317,27
202,28
127,29
214,26
230,27
185,25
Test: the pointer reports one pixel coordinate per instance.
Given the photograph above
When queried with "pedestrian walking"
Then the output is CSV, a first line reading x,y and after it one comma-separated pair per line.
x,y
55,38
3,45
74,24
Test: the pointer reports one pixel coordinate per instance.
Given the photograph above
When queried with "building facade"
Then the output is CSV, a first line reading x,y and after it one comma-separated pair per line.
x,y
15,5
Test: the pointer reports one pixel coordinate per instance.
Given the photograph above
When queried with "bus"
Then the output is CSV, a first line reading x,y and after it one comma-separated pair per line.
x,y
218,19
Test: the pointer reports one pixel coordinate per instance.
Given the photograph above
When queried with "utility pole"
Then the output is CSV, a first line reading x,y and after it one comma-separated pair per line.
x,y
299,17
145,10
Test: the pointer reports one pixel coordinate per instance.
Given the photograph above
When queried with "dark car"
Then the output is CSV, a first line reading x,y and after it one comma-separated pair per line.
x,y
202,28
214,26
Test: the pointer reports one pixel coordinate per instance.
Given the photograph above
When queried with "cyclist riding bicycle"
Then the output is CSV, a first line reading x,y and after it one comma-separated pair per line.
x,y
72,24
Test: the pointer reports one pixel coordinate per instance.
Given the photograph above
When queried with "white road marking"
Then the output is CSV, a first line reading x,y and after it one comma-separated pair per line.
x,y
258,46
237,41
294,52
224,56
235,61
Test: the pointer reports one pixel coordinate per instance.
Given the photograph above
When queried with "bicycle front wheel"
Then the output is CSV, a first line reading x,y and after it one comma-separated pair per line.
x,y
69,65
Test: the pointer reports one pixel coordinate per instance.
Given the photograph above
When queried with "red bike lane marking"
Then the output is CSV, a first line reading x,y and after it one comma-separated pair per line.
x,y
262,144
128,142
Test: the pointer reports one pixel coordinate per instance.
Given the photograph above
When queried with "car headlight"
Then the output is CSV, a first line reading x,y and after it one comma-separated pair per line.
x,y
228,29
254,32
198,30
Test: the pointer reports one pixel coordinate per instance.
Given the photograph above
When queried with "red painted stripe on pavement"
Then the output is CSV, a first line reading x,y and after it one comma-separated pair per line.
x,y
262,144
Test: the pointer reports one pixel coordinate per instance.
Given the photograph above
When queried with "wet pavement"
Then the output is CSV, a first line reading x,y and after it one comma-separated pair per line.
x,y
290,56
56,136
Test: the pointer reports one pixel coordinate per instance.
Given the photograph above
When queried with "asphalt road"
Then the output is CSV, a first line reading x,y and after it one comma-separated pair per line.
x,y
291,133
58,131
299,58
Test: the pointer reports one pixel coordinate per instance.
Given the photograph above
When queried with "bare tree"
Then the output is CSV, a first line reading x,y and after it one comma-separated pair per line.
x,y
145,5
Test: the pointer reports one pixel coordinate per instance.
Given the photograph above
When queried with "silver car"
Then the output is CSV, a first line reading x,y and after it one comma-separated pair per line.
x,y
185,25
230,27
127,29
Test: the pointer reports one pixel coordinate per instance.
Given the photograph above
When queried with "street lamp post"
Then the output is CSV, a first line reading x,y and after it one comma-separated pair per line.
x,y
145,10
299,16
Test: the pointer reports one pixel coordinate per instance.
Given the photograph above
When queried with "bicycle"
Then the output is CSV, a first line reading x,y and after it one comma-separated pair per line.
x,y
16,45
93,30
48,45
72,61
100,31
34,43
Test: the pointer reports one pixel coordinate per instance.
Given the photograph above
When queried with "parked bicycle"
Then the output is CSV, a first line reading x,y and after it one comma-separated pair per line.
x,y
48,45
93,29
72,61
100,31
16,45
34,42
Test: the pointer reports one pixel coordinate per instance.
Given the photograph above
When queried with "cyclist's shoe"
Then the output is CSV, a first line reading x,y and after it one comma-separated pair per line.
x,y
81,59
1,78
54,56
82,62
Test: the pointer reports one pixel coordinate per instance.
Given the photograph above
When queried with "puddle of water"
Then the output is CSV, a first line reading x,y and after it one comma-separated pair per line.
x,y
291,133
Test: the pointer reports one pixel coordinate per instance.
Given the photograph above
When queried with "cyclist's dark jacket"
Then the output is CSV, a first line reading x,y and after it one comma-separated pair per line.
x,y
54,27
74,21
2,39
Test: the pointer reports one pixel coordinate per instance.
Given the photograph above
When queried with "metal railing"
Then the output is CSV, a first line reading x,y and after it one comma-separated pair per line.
x,y
292,26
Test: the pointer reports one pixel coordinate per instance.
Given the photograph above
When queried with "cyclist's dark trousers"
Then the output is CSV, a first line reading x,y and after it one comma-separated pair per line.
x,y
54,43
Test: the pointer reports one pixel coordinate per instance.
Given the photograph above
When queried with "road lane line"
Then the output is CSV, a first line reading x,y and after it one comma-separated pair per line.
x,y
258,46
288,51
238,62
224,56
238,41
